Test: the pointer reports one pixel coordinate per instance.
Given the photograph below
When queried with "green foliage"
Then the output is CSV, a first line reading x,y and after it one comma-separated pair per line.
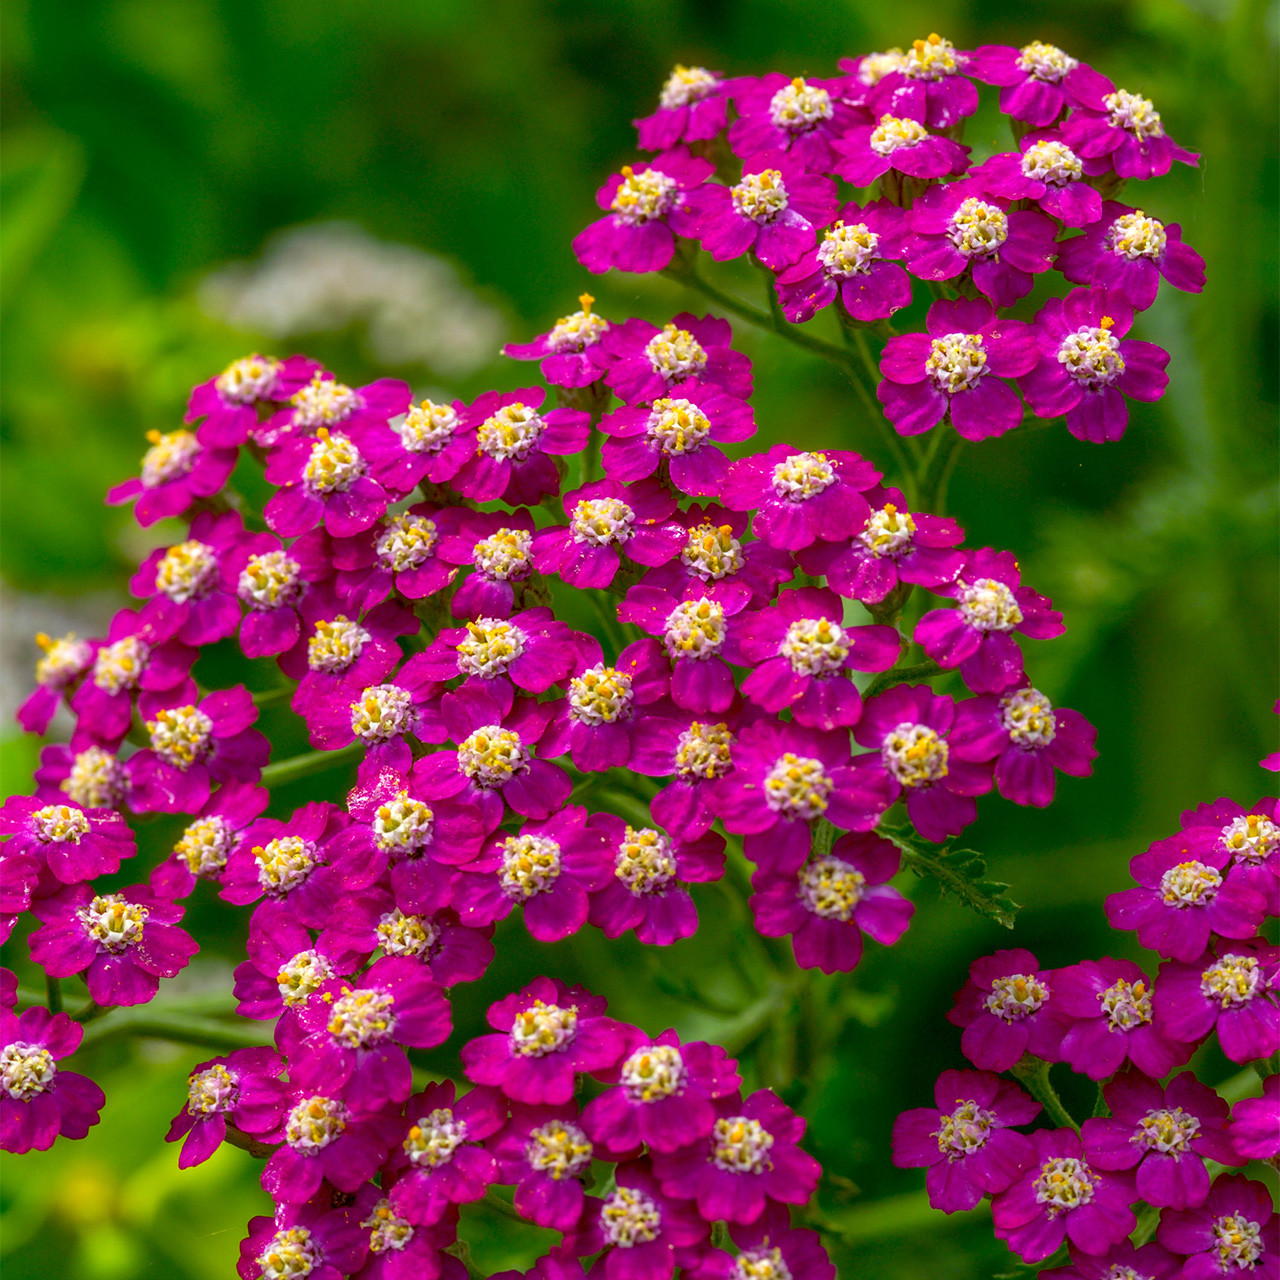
x,y
960,872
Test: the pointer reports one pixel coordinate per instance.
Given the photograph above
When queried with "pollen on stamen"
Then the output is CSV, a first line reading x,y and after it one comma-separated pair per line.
x,y
272,580
543,1028
427,427
559,1149
933,58
888,532
685,85
336,644
321,403
712,552
630,1217
803,476
205,846
511,433
171,455
491,756
382,712
893,133
703,751
530,866
334,465
578,330
760,196
695,630
187,571
675,354
642,197
741,1145
978,228
915,755
677,426
644,861
505,555
284,863
798,787
798,107
181,736
600,695
489,648
408,542
848,249
990,605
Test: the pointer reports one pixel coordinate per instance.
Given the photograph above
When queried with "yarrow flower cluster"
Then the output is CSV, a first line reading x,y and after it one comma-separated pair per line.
x,y
1203,897
758,670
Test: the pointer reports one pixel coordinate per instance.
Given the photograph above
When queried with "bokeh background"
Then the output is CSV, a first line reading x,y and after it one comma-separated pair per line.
x,y
393,188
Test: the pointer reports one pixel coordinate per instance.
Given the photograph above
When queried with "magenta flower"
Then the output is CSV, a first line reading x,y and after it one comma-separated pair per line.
x,y
854,263
1064,1196
74,843
193,598
1232,992
400,553
243,1089
771,212
977,635
947,369
698,640
547,868
677,433
801,655
692,107
1006,1010
124,942
648,362
275,584
715,561
801,117
568,349
798,496
439,1162
1147,1262
284,970
832,901
350,1040
664,1095
500,546
494,765
966,1143
644,1234
1230,1234
1028,738
770,1241
785,778
426,446
1255,1123
1086,371
194,745
1126,128
423,841
1181,902
516,445
325,480
647,206
750,1158
605,519
325,404
62,663
176,471
1166,1135
371,921
927,84
312,1240
531,650
962,227
909,757
893,546
401,1250
290,862
325,1140
1046,170
131,659
93,778
545,1153
1250,836
1108,1003
1129,251
229,403
645,890
20,874
40,1102
547,1034
868,151
382,716
695,754
1037,82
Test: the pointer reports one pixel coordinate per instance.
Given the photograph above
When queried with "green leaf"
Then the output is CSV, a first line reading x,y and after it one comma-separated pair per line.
x,y
959,872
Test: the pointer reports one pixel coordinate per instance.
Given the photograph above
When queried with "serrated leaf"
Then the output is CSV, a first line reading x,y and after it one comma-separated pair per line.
x,y
961,873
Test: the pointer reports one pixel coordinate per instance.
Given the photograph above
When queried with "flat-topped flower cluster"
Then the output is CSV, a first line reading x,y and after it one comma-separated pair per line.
x,y
756,683
1204,896
755,166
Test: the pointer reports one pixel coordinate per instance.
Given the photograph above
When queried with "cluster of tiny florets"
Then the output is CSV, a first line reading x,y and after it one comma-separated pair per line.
x,y
396,588
1202,903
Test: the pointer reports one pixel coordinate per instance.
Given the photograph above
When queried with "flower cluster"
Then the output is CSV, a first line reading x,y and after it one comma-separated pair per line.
x,y
758,679
1202,899
922,208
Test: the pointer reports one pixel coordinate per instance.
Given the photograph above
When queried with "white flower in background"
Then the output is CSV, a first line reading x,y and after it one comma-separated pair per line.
x,y
325,277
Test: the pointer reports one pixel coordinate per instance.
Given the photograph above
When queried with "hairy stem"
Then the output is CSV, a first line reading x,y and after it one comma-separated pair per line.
x,y
1034,1073
281,772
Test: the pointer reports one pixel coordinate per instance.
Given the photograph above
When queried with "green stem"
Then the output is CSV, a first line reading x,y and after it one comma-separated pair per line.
x,y
1034,1073
206,1032
271,697
900,675
690,277
281,772
899,1217
53,992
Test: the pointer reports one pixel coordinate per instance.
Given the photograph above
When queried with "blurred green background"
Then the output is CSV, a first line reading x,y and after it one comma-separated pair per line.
x,y
448,150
